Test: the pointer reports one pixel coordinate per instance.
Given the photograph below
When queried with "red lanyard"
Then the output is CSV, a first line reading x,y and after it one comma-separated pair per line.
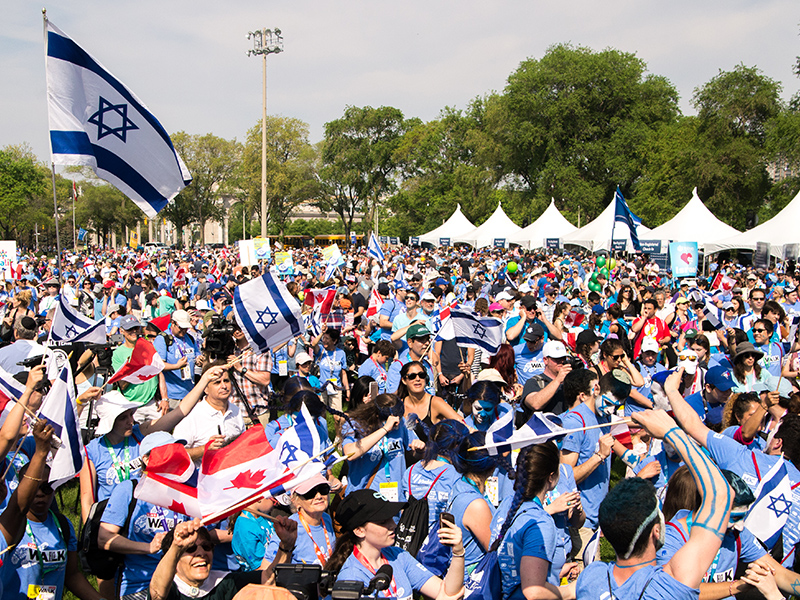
x,y
381,370
392,591
322,556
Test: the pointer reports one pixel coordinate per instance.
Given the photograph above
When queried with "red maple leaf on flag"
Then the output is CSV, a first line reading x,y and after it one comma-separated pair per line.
x,y
177,507
246,479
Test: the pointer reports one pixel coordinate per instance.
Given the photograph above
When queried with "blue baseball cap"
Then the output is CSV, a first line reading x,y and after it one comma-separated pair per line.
x,y
720,378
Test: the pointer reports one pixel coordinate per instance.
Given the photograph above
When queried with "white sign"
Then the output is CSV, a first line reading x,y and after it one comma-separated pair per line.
x,y
8,258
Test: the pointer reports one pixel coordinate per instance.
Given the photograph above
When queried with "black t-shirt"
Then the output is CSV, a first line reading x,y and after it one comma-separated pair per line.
x,y
133,295
226,589
358,301
536,384
451,355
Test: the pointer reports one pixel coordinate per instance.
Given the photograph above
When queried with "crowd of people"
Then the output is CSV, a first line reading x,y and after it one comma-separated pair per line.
x,y
704,369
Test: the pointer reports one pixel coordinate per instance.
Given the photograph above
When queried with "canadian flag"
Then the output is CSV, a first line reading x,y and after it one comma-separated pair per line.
x,y
143,364
621,432
234,476
180,277
162,322
141,263
723,282
214,271
375,302
575,318
324,297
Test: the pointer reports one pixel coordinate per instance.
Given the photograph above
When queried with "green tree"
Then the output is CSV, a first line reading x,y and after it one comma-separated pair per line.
x,y
23,185
212,161
103,209
571,125
291,169
359,165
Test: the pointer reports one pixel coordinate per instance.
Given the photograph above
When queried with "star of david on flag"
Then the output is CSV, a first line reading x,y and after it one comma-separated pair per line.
x,y
69,325
267,313
472,331
769,513
374,248
98,122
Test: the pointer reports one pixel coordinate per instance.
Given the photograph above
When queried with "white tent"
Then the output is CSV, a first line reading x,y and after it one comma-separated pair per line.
x,y
551,224
694,223
456,225
596,236
779,231
497,228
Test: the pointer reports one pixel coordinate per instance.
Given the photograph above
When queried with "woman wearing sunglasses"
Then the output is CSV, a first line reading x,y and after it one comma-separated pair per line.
x,y
315,533
416,399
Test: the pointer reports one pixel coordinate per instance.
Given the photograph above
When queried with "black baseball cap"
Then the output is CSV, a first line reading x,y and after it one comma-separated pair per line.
x,y
365,506
534,331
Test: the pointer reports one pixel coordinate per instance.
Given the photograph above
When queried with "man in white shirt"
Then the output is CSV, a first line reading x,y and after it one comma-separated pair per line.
x,y
25,346
214,418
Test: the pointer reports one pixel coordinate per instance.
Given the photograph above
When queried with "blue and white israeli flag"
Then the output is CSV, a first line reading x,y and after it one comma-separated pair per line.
x,y
472,331
267,313
98,122
68,325
374,248
60,410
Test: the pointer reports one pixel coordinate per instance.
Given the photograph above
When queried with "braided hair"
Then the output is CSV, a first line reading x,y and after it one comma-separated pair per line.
x,y
535,465
468,461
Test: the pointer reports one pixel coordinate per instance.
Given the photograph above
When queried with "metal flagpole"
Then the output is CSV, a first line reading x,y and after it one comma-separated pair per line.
x,y
74,233
55,215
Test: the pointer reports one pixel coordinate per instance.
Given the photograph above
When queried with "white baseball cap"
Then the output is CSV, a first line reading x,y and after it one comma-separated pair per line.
x,y
302,358
554,349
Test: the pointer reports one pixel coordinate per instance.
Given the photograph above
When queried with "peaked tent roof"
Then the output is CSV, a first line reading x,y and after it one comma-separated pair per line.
x,y
596,235
694,223
456,225
779,231
498,226
550,224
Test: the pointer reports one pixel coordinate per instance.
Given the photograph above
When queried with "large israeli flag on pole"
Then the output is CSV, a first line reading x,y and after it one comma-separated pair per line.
x,y
267,313
68,325
374,248
98,122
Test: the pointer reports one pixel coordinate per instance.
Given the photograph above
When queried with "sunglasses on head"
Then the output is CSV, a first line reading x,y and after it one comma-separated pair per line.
x,y
415,375
322,488
207,546
689,358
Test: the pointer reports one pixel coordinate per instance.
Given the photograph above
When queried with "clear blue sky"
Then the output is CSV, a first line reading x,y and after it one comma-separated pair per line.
x,y
187,60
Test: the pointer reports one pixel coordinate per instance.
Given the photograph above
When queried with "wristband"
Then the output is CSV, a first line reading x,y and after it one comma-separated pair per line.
x,y
282,549
79,402
244,371
600,455
463,552
32,478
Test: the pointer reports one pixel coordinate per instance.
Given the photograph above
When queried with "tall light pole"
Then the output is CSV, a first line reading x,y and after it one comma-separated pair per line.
x,y
265,41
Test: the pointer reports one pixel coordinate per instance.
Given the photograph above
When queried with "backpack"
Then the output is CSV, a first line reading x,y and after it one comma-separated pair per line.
x,y
433,553
413,526
103,564
486,581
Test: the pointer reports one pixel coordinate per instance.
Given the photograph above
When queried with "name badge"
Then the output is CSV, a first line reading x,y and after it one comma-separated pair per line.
x,y
390,491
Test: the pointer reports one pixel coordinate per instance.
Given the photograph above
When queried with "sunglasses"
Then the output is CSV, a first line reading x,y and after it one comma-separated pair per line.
x,y
689,358
207,546
46,489
761,330
323,489
423,340
617,356
415,375
757,299
560,360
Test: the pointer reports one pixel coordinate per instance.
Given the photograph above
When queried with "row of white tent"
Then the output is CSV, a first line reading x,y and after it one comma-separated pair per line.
x,y
694,223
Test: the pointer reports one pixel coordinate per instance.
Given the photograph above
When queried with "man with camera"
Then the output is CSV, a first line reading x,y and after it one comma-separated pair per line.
x,y
24,347
143,393
180,352
544,392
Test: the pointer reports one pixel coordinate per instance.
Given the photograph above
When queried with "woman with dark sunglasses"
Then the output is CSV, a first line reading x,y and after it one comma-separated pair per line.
x,y
315,533
416,399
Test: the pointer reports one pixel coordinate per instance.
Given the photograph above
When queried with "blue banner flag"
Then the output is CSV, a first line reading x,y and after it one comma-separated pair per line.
x,y
69,326
61,411
623,214
374,248
267,313
98,122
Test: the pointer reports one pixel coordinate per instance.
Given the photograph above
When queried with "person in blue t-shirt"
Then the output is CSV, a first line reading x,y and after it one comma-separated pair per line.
x,y
332,363
629,518
772,352
375,365
524,534
252,530
366,544
529,356
180,352
375,442
716,391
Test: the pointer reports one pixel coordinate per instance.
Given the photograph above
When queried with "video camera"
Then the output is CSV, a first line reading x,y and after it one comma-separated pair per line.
x,y
309,582
219,338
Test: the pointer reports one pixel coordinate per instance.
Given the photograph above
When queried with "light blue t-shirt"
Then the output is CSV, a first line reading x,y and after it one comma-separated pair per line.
x,y
596,578
390,309
387,459
533,533
331,364
668,467
177,386
527,363
369,368
146,521
393,376
417,480
21,567
304,552
732,551
566,484
107,472
595,487
408,575
465,493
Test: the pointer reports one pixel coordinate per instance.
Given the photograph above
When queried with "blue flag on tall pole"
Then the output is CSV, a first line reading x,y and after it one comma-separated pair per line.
x,y
623,214
98,122
267,313
374,248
